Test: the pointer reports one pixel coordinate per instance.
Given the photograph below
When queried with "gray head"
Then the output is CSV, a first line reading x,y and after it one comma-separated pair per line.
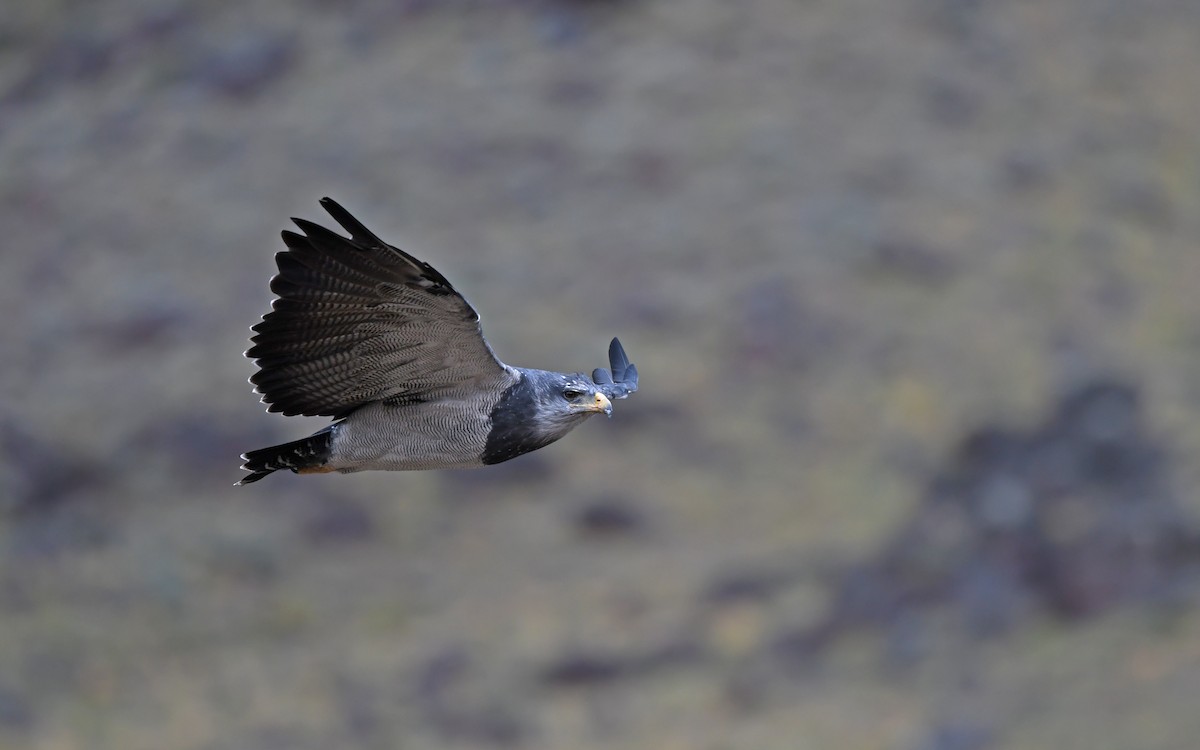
x,y
563,400
543,406
539,409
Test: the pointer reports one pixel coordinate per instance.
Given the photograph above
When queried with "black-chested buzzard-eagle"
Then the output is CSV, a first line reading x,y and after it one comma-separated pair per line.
x,y
367,334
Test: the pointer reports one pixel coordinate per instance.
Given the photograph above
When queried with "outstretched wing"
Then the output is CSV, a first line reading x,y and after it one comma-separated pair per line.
x,y
357,321
624,377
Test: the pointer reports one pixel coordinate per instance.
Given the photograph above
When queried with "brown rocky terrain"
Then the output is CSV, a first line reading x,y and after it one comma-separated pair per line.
x,y
911,286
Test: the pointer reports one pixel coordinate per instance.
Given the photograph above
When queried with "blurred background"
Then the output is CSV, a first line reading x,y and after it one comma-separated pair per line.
x,y
911,286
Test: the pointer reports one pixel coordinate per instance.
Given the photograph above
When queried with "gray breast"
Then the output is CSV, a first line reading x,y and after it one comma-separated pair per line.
x,y
451,431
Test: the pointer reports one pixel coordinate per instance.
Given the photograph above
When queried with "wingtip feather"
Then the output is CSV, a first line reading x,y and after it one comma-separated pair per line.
x,y
358,231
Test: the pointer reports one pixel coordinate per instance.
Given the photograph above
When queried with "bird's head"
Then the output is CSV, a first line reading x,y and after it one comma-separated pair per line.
x,y
565,400
543,406
561,401
572,397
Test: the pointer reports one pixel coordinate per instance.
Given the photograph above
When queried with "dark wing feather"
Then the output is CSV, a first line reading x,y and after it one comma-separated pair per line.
x,y
624,377
357,320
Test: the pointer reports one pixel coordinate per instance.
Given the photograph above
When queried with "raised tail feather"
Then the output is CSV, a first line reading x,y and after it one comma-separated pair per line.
x,y
301,456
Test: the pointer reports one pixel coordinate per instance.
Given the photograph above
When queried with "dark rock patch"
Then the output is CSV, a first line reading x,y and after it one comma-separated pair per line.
x,y
337,520
449,695
595,667
1068,519
37,475
608,517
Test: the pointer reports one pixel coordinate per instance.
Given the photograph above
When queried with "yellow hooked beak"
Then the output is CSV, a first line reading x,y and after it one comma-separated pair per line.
x,y
600,404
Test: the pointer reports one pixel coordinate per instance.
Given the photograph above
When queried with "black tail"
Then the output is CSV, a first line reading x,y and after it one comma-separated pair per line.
x,y
308,453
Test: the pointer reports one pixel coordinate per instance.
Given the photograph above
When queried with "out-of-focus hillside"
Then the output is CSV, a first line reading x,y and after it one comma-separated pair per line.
x,y
911,286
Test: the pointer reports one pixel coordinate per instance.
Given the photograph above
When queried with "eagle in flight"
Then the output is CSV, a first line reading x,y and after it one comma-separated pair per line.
x,y
367,334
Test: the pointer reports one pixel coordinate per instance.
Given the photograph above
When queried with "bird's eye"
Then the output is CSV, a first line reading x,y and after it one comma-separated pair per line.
x,y
573,393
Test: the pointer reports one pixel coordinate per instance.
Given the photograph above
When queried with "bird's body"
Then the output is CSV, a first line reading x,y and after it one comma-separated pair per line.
x,y
439,435
381,341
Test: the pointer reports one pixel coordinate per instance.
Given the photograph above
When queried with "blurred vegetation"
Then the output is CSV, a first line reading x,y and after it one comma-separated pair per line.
x,y
910,285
